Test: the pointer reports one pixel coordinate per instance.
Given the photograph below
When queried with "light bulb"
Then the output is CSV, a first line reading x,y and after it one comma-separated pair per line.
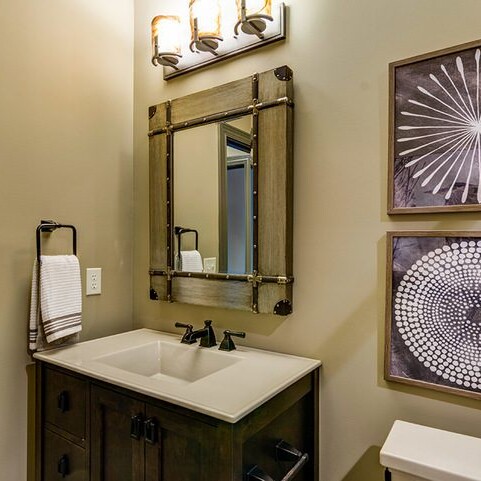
x,y
207,13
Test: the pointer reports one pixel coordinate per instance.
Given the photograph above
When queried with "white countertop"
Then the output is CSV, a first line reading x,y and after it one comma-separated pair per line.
x,y
432,453
228,394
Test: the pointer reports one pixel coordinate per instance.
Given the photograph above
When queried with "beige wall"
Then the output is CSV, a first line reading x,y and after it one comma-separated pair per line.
x,y
339,51
66,103
196,191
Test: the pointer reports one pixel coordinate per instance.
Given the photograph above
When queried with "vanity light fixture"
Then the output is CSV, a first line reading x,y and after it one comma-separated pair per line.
x,y
205,26
219,29
166,41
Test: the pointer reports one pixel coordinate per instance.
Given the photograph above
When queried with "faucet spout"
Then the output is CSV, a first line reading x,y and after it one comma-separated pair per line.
x,y
206,335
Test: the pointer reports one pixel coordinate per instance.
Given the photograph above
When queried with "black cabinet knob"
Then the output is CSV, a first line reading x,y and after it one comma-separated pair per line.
x,y
151,431
136,426
63,466
63,401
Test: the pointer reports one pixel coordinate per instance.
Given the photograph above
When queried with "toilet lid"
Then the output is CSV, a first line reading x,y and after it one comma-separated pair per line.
x,y
431,453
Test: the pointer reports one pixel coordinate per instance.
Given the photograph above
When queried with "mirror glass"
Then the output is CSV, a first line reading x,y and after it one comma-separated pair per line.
x,y
213,197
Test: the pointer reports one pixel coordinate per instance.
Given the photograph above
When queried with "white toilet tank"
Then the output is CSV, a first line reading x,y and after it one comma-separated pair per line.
x,y
418,453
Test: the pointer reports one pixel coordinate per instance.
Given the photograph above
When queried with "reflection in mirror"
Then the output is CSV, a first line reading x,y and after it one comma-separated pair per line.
x,y
235,199
213,197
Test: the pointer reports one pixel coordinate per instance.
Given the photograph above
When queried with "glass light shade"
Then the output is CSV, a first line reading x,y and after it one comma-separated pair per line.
x,y
207,13
166,35
255,7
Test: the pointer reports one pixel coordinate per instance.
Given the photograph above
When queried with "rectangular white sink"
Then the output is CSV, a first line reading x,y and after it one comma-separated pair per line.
x,y
169,362
224,385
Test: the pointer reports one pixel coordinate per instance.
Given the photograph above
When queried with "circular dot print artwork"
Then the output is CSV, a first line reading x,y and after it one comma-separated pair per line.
x,y
436,311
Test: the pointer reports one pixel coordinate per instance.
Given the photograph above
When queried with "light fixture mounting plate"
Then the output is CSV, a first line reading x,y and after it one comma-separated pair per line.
x,y
232,46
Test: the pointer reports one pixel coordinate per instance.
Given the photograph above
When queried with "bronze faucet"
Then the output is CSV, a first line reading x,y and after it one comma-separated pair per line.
x,y
206,334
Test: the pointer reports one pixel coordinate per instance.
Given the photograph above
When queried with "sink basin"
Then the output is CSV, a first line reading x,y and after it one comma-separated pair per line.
x,y
168,362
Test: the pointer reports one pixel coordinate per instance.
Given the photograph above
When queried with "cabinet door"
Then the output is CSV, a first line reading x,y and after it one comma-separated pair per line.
x,y
115,454
181,448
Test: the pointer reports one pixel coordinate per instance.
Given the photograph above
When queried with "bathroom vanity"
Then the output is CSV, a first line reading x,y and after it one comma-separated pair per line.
x,y
142,406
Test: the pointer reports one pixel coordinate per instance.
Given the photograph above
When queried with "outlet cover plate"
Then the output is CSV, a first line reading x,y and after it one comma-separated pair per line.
x,y
93,281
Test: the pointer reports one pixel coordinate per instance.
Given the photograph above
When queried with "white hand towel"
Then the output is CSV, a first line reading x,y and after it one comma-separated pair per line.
x,y
191,261
34,310
57,312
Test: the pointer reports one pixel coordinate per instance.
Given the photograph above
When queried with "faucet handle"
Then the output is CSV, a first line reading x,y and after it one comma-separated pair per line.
x,y
227,343
188,331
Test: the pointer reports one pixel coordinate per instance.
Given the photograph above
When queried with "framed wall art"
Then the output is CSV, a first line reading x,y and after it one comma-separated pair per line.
x,y
435,132
433,310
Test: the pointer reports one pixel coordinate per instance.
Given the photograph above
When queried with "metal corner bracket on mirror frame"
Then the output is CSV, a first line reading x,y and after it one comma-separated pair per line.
x,y
268,97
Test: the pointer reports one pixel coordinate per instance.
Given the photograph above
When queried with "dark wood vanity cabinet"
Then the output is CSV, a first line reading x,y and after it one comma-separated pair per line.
x,y
89,430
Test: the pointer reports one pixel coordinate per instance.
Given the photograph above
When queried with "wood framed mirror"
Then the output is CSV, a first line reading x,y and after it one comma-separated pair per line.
x,y
221,195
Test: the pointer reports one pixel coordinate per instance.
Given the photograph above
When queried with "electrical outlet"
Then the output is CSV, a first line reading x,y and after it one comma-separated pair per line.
x,y
94,281
210,264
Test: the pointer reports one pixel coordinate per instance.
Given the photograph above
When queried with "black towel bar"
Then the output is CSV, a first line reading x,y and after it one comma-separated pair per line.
x,y
50,226
178,231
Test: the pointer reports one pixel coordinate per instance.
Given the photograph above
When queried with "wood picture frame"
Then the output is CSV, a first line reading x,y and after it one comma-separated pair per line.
x,y
269,98
433,310
435,132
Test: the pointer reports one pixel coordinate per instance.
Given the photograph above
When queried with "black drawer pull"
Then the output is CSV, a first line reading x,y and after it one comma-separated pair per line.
x,y
284,452
63,466
150,426
63,401
136,427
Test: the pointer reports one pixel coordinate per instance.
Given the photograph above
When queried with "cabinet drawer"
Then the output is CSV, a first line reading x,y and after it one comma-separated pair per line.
x,y
62,460
65,402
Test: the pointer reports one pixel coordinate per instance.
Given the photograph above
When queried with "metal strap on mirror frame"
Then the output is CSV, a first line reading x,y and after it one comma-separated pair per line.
x,y
255,197
249,109
252,278
170,204
257,278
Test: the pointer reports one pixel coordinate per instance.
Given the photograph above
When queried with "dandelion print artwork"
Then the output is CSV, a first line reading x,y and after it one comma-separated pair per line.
x,y
436,132
434,313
